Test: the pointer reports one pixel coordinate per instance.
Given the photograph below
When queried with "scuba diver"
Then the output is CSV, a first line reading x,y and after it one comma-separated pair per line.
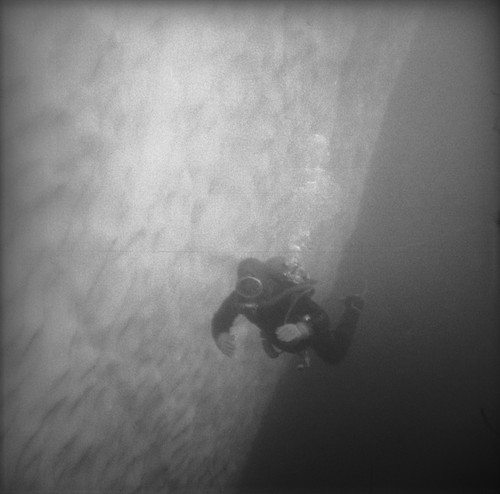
x,y
276,297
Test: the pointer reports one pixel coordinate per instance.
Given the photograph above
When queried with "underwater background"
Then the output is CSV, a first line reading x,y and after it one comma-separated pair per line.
x,y
148,147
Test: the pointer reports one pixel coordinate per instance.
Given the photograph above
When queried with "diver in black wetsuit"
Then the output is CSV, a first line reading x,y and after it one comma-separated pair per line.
x,y
276,297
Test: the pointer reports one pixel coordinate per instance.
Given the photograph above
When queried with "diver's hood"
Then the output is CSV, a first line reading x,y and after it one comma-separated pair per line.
x,y
261,281
253,279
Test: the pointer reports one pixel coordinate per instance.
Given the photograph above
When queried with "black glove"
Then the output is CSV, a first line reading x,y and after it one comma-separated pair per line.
x,y
354,302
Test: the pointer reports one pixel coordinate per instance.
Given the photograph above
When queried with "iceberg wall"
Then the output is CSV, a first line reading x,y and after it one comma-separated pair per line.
x,y
146,150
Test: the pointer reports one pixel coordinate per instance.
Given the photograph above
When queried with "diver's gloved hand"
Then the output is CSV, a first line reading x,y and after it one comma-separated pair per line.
x,y
225,343
291,333
354,302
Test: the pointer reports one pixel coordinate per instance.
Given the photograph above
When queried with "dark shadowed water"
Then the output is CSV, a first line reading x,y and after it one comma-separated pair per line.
x,y
408,408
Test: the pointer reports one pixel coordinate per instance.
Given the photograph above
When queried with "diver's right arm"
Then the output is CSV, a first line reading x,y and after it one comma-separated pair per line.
x,y
221,324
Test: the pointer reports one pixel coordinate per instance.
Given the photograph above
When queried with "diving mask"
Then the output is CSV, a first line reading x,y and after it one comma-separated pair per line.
x,y
249,287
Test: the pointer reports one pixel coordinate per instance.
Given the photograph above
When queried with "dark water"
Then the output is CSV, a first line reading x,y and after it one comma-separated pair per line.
x,y
403,411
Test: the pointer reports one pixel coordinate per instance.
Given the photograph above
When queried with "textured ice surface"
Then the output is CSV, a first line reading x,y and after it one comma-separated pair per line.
x,y
146,149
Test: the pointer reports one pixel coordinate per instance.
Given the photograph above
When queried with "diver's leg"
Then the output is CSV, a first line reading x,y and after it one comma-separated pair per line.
x,y
333,347
344,332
